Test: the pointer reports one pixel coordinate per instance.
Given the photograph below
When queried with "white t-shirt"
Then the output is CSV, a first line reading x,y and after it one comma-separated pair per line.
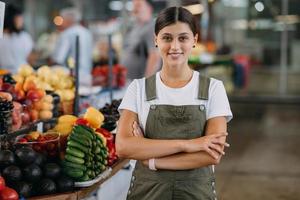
x,y
14,50
135,98
66,47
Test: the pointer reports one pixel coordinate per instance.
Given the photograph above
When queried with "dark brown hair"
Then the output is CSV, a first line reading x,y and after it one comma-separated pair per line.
x,y
172,15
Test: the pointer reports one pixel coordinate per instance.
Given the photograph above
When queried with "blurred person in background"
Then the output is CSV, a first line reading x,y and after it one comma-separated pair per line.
x,y
65,47
16,44
139,54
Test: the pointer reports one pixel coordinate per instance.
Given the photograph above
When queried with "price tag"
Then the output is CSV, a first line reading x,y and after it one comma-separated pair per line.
x,y
2,9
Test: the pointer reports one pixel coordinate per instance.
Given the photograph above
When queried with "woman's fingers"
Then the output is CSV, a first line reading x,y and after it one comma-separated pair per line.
x,y
219,142
212,153
217,148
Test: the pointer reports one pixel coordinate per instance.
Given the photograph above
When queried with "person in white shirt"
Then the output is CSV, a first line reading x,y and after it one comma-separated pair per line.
x,y
16,44
65,47
174,123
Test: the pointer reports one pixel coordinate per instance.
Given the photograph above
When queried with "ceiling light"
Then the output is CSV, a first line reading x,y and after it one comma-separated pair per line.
x,y
259,6
58,20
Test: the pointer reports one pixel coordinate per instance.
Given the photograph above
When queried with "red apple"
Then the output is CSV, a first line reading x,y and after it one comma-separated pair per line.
x,y
35,95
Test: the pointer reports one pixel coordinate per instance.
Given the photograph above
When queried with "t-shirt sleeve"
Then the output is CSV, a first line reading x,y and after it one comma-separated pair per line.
x,y
129,101
28,43
61,50
218,104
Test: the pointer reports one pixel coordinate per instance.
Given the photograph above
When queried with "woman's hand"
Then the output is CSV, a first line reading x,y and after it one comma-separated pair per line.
x,y
137,131
212,144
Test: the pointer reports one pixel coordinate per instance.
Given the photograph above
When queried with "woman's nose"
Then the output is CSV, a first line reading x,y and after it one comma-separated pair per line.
x,y
174,45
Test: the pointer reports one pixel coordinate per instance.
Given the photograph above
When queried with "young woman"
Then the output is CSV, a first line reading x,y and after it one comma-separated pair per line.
x,y
174,122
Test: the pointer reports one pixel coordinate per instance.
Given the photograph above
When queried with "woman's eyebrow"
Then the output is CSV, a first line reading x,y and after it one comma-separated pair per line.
x,y
168,34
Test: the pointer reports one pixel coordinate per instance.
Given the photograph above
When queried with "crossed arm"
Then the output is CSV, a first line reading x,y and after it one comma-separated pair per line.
x,y
172,154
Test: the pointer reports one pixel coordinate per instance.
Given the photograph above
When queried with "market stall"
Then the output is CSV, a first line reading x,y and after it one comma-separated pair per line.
x,y
45,151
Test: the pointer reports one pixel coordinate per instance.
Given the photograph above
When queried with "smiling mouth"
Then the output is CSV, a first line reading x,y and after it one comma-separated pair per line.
x,y
175,55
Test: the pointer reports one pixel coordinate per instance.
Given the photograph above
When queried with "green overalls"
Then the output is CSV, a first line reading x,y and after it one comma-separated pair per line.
x,y
173,122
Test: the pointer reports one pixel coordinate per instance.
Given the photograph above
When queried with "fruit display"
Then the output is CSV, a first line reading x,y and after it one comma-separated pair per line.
x,y
6,108
66,150
64,127
56,104
31,173
110,144
56,80
111,115
94,117
86,154
100,76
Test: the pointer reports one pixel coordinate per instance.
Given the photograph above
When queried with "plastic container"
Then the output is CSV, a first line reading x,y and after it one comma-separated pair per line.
x,y
47,144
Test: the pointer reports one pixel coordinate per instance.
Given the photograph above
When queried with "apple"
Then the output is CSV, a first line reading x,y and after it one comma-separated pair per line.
x,y
18,95
35,95
29,85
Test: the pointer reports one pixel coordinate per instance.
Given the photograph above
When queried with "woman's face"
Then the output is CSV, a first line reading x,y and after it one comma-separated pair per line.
x,y
175,43
19,22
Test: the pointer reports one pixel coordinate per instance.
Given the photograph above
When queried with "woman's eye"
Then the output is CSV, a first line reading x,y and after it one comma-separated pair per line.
x,y
182,39
167,38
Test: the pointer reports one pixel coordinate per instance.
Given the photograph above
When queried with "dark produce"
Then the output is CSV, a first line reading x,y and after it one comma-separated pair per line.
x,y
24,189
32,173
7,158
65,184
5,143
12,174
25,155
52,170
111,115
6,108
40,159
46,186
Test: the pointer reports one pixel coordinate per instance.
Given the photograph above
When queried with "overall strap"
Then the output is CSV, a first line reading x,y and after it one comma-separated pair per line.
x,y
150,84
203,87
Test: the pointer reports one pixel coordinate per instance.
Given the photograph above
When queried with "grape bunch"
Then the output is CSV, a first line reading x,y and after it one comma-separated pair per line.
x,y
6,108
111,115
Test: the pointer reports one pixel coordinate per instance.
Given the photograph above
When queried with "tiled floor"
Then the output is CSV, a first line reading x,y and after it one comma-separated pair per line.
x,y
263,162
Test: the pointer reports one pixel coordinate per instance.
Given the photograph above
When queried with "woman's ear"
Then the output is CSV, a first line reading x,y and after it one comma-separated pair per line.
x,y
155,40
196,38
